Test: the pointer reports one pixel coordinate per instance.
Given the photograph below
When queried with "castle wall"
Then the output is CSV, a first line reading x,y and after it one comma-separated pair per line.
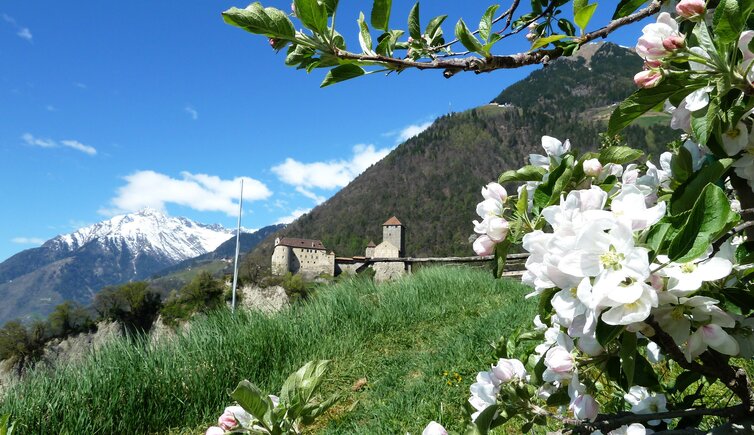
x,y
387,271
313,262
281,260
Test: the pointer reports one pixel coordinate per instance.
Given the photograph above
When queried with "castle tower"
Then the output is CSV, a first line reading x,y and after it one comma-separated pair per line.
x,y
393,232
370,249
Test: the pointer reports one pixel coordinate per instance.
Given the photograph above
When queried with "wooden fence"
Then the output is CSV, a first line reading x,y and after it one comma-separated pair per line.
x,y
514,266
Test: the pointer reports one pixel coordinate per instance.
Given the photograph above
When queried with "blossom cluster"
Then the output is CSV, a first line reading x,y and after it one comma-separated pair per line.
x,y
590,257
662,46
236,419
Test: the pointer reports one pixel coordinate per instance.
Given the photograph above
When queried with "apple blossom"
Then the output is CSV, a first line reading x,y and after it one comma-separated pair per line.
x,y
508,369
584,407
483,245
642,402
650,45
713,336
630,205
736,139
495,191
686,278
214,430
592,167
227,421
560,364
691,8
434,428
554,147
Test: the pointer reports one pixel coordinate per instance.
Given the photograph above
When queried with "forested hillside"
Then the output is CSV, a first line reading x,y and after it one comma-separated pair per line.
x,y
432,181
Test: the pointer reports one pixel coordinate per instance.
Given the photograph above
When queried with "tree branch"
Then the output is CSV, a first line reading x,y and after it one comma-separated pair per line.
x,y
607,423
479,65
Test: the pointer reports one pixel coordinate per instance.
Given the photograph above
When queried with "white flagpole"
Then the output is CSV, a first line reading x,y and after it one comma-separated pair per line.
x,y
238,248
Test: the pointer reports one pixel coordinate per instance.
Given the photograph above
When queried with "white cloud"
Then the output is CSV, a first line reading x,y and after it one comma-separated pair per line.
x,y
411,131
49,143
78,146
21,32
28,240
192,112
25,33
293,216
319,199
200,192
330,174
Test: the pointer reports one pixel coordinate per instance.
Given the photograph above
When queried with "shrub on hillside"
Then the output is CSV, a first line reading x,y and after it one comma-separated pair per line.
x,y
69,318
202,294
134,305
23,345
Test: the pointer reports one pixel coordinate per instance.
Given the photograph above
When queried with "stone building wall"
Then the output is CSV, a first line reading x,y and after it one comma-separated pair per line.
x,y
281,260
394,235
312,262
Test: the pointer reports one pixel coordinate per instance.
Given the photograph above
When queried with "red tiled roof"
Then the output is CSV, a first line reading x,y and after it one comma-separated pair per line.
x,y
301,243
393,221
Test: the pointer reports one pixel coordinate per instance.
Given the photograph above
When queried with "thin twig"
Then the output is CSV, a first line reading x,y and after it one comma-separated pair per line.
x,y
606,422
480,65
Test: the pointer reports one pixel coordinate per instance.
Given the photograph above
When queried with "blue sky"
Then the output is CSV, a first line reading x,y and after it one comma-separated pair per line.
x,y
108,107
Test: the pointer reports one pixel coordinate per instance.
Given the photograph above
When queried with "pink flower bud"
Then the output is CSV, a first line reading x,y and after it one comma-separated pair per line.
x,y
508,369
494,191
483,245
531,36
585,407
690,8
273,41
649,64
293,9
592,168
214,430
647,79
497,229
410,40
559,360
227,421
673,42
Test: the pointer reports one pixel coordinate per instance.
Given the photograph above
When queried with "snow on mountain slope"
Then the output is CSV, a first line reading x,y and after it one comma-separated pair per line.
x,y
149,231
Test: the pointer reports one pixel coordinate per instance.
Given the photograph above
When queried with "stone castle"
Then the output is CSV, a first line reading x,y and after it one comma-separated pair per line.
x,y
310,257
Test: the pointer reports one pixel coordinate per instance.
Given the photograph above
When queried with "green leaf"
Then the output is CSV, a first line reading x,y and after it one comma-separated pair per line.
x,y
703,121
657,236
269,22
522,205
6,427
687,193
644,100
628,356
484,420
549,192
527,173
467,38
644,373
684,380
583,12
342,73
434,25
297,54
251,399
627,7
381,14
387,41
331,6
619,154
730,19
710,215
312,14
485,25
681,165
745,252
567,27
607,333
541,42
365,38
559,398
501,253
414,28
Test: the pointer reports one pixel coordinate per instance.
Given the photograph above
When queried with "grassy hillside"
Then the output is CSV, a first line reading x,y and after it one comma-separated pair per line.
x,y
432,181
402,337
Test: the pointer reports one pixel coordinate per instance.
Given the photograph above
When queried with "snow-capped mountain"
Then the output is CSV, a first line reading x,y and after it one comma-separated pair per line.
x,y
75,266
151,231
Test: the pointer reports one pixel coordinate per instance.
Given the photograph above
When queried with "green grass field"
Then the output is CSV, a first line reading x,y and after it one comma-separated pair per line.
x,y
408,339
